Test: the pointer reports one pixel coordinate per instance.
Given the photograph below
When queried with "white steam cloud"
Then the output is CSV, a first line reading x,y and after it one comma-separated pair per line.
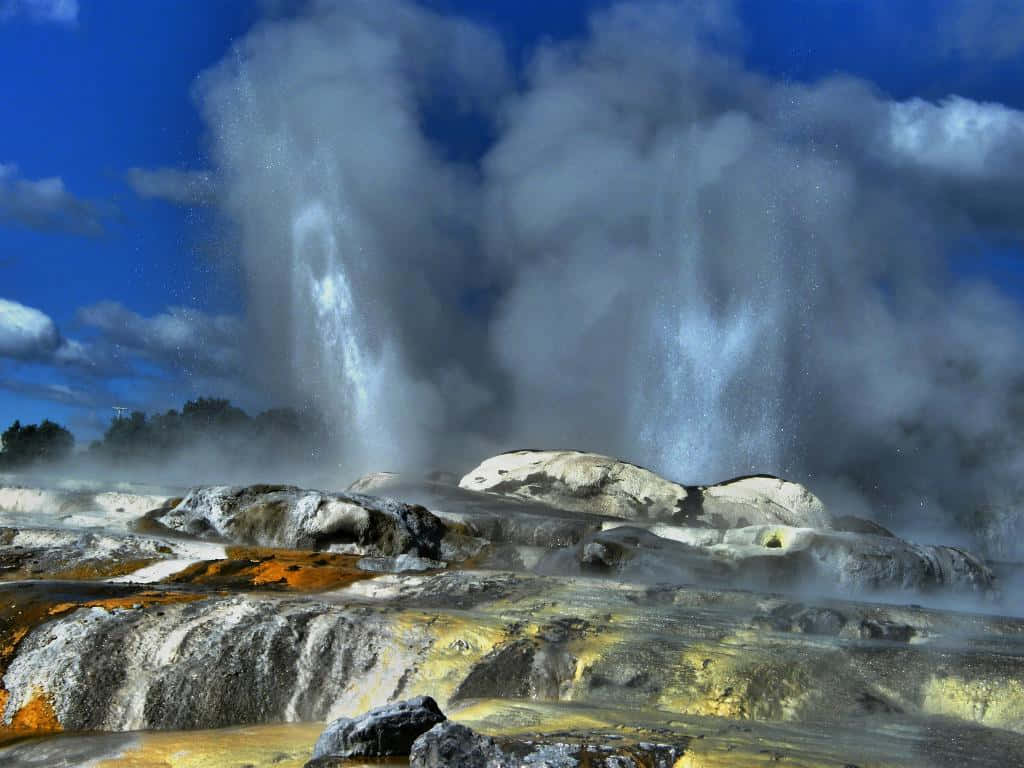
x,y
681,262
181,187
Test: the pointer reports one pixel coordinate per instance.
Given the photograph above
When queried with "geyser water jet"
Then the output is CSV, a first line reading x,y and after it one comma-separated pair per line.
x,y
682,262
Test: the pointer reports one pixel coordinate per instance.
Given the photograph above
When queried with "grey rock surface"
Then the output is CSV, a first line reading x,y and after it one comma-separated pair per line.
x,y
503,637
385,731
489,518
284,516
809,620
772,557
450,744
399,564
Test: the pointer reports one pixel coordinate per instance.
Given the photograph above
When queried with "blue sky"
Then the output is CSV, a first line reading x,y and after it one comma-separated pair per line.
x,y
95,88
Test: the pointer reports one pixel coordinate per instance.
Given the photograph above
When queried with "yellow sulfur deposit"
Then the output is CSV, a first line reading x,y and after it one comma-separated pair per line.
x,y
992,702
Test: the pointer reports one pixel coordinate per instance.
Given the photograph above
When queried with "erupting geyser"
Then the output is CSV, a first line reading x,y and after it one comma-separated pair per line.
x,y
659,255
637,245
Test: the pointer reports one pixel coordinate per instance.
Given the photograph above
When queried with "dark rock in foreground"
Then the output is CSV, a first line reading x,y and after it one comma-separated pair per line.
x,y
450,744
385,731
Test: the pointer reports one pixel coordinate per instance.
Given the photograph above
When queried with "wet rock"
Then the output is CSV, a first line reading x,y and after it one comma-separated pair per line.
x,y
636,554
593,755
779,557
384,731
399,564
581,482
372,481
443,477
54,553
450,744
507,557
852,524
600,643
378,482
284,516
183,665
328,762
540,667
261,568
446,590
772,557
820,621
880,629
492,518
810,620
503,673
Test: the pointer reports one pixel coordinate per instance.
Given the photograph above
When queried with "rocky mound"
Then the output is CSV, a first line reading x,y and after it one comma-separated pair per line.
x,y
581,482
772,557
284,516
596,484
758,500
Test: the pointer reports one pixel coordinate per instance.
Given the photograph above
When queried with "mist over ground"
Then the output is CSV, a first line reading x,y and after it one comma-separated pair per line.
x,y
660,256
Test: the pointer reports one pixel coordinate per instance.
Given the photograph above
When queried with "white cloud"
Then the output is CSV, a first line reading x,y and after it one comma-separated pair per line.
x,y
55,11
26,333
29,335
959,137
179,338
55,392
45,205
180,349
173,185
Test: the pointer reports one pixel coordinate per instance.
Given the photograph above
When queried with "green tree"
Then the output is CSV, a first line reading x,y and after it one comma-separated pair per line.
x,y
127,437
44,443
213,413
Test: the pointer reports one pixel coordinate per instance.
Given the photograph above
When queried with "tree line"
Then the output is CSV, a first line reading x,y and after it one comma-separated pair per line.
x,y
207,424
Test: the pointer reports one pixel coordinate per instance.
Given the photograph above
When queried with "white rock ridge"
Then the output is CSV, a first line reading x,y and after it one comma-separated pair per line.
x,y
590,482
763,500
581,482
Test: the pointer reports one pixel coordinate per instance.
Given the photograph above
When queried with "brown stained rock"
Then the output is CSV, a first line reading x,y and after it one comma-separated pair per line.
x,y
276,569
20,616
36,718
89,570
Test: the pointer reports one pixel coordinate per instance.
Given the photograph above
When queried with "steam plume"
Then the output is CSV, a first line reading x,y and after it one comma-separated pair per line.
x,y
682,262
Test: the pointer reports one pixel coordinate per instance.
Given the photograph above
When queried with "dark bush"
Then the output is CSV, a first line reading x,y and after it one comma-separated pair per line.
x,y
44,443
